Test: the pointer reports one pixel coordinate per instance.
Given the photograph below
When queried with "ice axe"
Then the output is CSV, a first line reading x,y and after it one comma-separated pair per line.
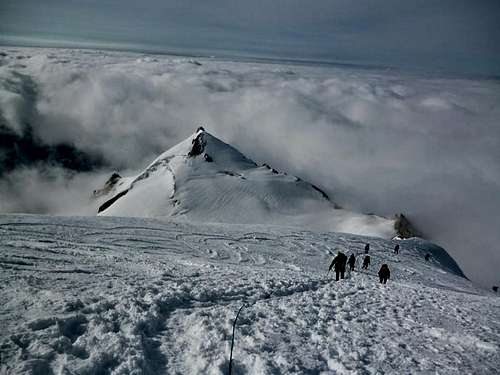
x,y
329,269
328,272
230,370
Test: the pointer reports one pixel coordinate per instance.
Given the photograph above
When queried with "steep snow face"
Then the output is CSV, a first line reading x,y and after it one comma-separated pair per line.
x,y
108,295
205,179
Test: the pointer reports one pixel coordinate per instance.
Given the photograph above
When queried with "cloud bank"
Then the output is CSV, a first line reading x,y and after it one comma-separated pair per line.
x,y
375,141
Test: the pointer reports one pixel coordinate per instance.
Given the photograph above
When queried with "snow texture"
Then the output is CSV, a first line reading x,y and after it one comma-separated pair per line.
x,y
109,295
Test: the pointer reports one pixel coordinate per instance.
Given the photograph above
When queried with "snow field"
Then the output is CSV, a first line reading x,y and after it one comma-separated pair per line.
x,y
144,296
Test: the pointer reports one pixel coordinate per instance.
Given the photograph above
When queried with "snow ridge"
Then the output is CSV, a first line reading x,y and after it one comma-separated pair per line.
x,y
133,295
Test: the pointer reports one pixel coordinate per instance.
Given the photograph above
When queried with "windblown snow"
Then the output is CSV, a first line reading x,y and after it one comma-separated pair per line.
x,y
205,179
109,295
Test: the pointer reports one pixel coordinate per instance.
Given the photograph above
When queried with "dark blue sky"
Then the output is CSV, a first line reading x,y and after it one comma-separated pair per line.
x,y
454,36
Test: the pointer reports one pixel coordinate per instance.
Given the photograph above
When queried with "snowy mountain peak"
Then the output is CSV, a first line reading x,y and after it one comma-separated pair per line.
x,y
209,148
203,178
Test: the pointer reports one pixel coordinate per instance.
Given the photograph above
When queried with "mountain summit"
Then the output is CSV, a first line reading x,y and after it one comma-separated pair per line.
x,y
204,179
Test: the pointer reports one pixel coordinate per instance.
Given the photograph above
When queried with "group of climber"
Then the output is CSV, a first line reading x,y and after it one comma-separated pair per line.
x,y
340,261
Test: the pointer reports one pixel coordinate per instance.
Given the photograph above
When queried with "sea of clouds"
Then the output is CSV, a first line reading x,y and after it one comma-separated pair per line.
x,y
377,141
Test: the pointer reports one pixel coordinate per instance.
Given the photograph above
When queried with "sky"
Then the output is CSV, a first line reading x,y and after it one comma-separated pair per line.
x,y
451,36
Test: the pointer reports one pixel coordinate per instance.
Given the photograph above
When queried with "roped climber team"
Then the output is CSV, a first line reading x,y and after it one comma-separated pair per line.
x,y
340,261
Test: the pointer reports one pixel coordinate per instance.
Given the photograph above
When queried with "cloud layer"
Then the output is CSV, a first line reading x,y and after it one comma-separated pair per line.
x,y
447,35
376,141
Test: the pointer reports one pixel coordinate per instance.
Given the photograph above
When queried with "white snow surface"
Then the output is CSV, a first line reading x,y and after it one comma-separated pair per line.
x,y
110,295
232,189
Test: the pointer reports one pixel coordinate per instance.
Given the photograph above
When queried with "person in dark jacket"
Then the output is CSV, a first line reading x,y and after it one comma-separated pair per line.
x,y
352,262
367,248
384,274
427,257
366,262
396,249
339,262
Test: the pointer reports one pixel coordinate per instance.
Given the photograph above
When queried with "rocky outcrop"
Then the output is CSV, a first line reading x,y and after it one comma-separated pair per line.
x,y
108,186
26,149
323,194
270,168
111,201
404,228
198,143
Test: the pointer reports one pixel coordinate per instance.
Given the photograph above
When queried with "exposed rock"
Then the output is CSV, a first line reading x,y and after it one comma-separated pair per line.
x,y
108,185
404,228
233,174
198,144
26,149
194,62
321,192
271,168
111,201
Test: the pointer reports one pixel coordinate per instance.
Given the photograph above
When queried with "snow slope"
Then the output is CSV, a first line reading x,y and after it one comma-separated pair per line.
x,y
205,179
109,295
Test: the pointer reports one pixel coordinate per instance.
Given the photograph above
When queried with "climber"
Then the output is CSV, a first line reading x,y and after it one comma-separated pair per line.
x,y
352,262
366,262
396,249
367,248
384,274
339,262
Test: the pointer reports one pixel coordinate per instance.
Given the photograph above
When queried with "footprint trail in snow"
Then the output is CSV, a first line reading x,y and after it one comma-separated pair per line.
x,y
143,296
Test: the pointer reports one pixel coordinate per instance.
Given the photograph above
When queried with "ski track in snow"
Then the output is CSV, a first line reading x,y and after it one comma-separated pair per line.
x,y
143,296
